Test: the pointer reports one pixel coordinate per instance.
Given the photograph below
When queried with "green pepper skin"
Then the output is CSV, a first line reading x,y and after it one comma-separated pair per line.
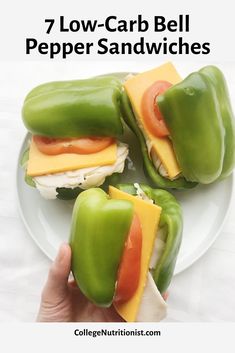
x,y
76,108
150,170
215,76
67,193
199,116
97,240
171,217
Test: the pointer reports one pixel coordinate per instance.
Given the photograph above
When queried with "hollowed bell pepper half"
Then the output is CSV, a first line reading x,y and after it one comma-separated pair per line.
x,y
98,233
199,116
78,108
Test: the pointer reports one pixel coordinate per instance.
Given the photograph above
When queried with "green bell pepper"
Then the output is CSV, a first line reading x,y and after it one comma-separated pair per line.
x,y
171,218
62,193
199,116
71,194
150,170
97,241
76,108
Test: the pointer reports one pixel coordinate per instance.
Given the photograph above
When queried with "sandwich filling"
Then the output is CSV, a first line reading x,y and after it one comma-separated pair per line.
x,y
50,172
160,240
147,303
83,178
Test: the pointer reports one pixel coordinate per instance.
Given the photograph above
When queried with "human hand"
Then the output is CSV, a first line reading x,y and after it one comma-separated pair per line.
x,y
62,301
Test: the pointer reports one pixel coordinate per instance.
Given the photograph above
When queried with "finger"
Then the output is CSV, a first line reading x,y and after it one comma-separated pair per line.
x,y
112,315
56,287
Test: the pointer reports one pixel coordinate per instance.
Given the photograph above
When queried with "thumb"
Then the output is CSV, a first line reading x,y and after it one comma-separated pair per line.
x,y
56,287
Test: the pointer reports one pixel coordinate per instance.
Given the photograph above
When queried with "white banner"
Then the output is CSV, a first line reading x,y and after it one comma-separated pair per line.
x,y
113,337
98,30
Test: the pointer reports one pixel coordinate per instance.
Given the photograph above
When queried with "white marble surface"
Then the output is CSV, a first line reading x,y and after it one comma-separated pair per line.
x,y
203,292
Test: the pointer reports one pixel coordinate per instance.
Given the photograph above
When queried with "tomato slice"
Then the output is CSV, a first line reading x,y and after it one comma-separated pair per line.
x,y
129,268
151,113
84,145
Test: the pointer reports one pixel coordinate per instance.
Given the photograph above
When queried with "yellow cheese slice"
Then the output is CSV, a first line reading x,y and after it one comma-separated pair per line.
x,y
42,164
149,216
135,87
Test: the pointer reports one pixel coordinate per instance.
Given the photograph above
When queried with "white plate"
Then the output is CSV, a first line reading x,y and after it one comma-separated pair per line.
x,y
204,208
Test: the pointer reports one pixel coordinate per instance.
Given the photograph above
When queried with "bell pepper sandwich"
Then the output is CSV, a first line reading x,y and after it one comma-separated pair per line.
x,y
124,248
185,127
74,126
